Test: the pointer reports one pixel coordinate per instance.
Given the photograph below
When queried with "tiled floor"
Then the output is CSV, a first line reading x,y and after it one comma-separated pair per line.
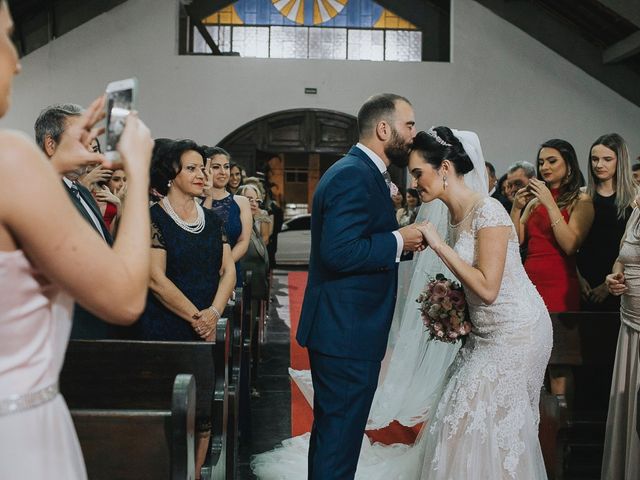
x,y
271,410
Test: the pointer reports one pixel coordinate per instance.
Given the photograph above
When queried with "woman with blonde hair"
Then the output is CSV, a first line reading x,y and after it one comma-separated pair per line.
x,y
621,456
257,257
610,185
261,218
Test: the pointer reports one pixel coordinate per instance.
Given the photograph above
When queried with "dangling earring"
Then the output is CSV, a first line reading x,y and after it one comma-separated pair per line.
x,y
169,183
444,182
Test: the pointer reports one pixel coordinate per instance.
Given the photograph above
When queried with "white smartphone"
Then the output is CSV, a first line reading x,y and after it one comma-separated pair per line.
x,y
121,98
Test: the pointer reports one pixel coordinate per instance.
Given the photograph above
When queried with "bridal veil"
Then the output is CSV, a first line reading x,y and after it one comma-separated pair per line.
x,y
414,366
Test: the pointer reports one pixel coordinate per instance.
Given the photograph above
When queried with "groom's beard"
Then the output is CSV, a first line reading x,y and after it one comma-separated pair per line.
x,y
397,150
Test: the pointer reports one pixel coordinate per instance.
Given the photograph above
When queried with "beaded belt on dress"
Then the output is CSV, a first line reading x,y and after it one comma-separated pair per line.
x,y
18,403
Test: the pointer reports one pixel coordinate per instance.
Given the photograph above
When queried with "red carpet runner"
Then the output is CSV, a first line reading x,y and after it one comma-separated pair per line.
x,y
301,413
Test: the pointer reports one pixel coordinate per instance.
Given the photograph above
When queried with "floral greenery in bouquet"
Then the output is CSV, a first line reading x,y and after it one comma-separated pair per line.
x,y
444,310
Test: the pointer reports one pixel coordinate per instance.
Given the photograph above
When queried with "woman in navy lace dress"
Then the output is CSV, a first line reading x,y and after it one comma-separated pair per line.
x,y
234,211
192,273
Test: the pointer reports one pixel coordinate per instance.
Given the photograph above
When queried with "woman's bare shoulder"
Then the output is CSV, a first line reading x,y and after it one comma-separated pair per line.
x,y
583,200
16,148
584,197
241,201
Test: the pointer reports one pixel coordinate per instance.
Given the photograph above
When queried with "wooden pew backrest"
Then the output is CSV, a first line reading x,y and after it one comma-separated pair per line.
x,y
139,444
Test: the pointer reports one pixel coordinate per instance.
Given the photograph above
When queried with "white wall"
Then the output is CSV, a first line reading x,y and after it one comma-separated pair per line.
x,y
506,86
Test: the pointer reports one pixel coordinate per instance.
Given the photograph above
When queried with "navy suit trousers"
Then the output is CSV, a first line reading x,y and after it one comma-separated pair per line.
x,y
343,392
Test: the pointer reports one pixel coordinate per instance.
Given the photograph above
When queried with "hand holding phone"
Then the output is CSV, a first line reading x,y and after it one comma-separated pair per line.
x,y
121,99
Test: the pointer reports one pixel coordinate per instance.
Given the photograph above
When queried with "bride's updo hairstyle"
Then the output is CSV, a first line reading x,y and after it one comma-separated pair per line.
x,y
439,144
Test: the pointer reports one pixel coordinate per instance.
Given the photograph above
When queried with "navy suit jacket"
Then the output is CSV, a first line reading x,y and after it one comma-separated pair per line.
x,y
87,326
88,198
351,291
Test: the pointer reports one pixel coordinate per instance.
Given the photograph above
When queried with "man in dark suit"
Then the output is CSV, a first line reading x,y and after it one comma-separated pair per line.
x,y
49,128
351,292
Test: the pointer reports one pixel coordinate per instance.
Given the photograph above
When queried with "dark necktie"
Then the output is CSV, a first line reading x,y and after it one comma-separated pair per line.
x,y
89,213
75,191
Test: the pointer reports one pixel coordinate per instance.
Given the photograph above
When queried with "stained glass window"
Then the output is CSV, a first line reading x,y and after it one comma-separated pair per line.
x,y
315,29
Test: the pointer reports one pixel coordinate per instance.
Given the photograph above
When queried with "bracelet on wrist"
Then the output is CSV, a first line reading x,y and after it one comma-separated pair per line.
x,y
556,222
216,313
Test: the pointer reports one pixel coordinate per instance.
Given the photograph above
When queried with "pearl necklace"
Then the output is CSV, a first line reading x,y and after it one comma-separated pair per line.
x,y
195,227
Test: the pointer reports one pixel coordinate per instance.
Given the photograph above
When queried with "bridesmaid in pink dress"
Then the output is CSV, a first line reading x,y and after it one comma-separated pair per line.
x,y
44,266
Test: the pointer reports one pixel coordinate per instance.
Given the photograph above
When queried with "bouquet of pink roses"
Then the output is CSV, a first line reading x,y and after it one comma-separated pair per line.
x,y
444,310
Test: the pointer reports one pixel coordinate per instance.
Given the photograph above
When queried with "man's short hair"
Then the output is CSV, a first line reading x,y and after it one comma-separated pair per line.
x,y
635,167
52,121
376,108
529,169
491,168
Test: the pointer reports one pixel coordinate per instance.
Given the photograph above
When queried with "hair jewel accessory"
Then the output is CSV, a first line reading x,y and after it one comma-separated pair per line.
x,y
431,132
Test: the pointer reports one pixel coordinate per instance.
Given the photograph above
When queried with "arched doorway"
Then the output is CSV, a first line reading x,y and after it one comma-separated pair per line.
x,y
292,149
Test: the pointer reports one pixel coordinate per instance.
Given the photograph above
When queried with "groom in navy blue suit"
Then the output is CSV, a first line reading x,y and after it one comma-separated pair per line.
x,y
351,292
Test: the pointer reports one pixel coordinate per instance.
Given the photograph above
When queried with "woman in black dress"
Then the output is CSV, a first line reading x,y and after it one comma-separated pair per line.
x,y
610,185
192,271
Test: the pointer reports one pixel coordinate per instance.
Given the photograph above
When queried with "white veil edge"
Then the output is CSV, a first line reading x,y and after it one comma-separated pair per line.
x,y
415,367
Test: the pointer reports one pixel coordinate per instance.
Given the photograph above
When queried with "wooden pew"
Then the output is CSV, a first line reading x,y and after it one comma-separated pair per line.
x,y
137,444
248,370
138,375
252,322
233,312
572,437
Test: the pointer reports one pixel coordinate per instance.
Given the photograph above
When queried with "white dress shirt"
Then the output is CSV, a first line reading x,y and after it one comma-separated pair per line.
x,y
380,165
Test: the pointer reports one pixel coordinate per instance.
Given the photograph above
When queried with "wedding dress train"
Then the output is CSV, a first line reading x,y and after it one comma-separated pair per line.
x,y
484,422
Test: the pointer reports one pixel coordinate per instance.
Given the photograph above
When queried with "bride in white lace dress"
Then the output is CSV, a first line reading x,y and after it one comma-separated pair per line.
x,y
486,422
483,422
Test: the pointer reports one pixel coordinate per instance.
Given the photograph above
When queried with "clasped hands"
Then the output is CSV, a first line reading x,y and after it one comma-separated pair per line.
x,y
615,283
596,294
204,323
419,236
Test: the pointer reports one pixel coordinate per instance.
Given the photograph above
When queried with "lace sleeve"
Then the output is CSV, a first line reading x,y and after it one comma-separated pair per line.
x,y
491,214
157,240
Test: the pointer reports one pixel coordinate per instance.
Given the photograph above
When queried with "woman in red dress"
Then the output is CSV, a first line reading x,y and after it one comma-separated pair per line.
x,y
553,217
109,196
